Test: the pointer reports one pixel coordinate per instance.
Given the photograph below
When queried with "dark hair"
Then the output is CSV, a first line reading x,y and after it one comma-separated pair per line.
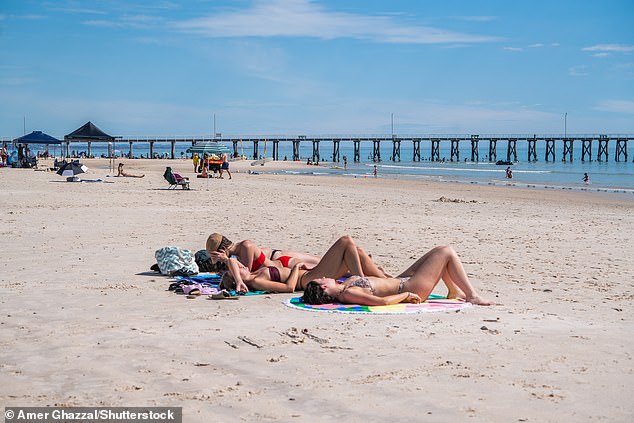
x,y
224,244
227,281
314,294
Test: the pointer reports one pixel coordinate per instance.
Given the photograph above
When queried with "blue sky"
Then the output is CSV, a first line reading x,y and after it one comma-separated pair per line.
x,y
317,67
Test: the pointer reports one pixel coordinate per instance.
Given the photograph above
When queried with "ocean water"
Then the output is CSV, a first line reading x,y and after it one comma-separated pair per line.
x,y
604,175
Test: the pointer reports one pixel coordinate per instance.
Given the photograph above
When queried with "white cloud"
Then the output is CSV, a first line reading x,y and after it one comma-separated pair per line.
x,y
580,70
536,45
303,18
616,106
610,48
513,49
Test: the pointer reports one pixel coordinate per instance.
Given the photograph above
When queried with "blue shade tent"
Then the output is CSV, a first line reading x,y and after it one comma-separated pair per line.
x,y
37,137
210,147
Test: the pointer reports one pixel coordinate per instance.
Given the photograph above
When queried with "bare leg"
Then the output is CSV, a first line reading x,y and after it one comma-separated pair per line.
x,y
370,268
453,291
427,271
342,257
309,259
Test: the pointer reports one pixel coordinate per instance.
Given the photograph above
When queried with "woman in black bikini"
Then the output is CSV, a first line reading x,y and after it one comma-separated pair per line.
x,y
412,286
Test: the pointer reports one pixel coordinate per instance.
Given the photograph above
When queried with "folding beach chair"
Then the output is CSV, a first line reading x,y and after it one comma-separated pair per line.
x,y
175,179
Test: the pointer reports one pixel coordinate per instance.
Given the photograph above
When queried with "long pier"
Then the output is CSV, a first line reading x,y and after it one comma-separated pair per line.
x,y
567,144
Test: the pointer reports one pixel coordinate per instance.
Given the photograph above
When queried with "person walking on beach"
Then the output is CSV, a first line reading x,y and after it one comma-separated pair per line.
x,y
375,171
586,179
345,162
225,165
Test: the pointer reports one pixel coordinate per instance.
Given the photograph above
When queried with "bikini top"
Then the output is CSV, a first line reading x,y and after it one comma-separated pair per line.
x,y
361,282
274,273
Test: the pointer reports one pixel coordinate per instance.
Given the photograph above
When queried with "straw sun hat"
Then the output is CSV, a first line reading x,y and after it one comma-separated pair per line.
x,y
217,241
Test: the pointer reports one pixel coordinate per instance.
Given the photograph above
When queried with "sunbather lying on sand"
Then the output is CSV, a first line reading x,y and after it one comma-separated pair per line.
x,y
253,257
129,175
412,286
342,258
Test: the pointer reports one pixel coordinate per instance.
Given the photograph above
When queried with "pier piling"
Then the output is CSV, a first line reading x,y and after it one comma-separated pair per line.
x,y
550,149
435,150
493,155
603,148
396,150
474,148
621,149
567,149
455,149
416,150
357,147
532,151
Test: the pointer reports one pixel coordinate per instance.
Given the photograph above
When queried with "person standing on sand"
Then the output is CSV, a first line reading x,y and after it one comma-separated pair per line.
x,y
195,160
375,171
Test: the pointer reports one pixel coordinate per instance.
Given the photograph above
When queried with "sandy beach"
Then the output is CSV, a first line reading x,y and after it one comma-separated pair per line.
x,y
85,323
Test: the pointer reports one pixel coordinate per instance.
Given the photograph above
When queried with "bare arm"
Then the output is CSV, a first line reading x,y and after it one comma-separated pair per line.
x,y
234,268
356,295
265,284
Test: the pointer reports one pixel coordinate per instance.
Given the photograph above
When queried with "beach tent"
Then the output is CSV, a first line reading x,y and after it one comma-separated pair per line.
x,y
87,133
37,137
209,147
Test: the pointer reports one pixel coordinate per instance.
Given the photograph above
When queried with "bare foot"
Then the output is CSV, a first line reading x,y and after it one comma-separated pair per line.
x,y
479,301
456,295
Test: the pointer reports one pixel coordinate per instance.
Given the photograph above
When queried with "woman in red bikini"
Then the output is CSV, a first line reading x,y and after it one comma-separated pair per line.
x,y
252,257
342,258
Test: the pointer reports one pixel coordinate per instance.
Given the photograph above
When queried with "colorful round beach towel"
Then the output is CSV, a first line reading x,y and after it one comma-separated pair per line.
x,y
433,304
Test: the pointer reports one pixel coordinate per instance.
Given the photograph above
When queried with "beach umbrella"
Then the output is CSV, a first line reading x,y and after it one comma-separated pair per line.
x,y
209,147
72,169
